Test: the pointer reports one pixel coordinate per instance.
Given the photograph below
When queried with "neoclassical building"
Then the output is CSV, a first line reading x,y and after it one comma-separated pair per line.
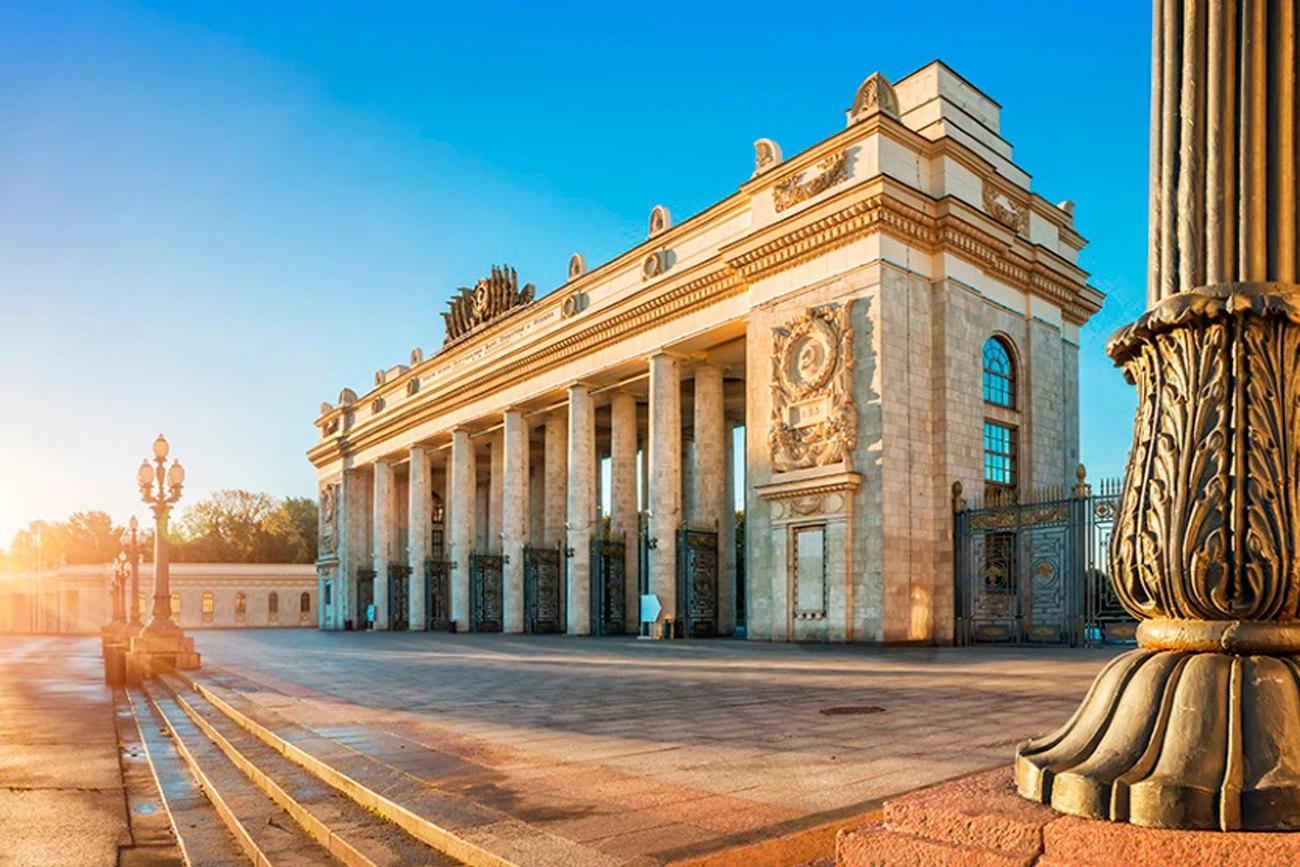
x,y
855,329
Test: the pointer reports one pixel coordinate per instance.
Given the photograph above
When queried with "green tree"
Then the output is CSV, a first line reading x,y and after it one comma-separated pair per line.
x,y
237,526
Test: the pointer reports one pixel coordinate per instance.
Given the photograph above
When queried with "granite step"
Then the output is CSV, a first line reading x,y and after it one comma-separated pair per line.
x,y
353,834
266,834
198,831
877,845
471,832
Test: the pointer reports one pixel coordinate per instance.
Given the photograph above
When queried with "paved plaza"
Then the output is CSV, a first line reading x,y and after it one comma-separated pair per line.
x,y
649,752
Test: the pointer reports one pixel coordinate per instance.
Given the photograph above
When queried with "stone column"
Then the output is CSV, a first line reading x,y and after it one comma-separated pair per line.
x,y
665,478
420,495
536,503
581,507
1200,726
622,501
709,476
385,529
557,477
727,536
461,513
496,491
514,487
344,590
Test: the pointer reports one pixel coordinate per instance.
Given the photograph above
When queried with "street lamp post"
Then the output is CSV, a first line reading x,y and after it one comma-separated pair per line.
x,y
131,549
160,487
160,646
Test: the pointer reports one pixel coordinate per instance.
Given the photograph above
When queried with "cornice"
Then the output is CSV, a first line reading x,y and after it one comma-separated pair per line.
x,y
810,486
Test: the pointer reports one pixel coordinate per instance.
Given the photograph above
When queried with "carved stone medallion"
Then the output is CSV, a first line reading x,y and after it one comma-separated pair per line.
x,y
1005,209
874,95
813,419
767,155
796,188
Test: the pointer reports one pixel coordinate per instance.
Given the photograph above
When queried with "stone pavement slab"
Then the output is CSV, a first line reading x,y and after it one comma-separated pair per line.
x,y
61,794
646,751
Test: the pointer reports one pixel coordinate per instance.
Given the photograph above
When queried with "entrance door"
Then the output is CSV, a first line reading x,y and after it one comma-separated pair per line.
x,y
399,595
437,582
697,583
609,587
543,590
365,596
485,592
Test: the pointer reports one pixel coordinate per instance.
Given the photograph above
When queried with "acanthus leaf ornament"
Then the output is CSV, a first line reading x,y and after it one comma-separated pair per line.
x,y
814,422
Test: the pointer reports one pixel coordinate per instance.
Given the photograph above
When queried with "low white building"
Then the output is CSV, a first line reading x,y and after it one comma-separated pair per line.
x,y
75,599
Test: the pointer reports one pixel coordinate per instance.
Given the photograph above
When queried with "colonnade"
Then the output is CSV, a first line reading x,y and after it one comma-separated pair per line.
x,y
650,476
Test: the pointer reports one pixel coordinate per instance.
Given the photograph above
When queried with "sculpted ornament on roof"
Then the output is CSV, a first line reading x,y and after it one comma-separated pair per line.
x,y
491,298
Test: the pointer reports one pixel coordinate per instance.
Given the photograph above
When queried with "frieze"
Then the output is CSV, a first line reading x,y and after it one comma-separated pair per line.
x,y
1005,209
833,170
491,298
813,419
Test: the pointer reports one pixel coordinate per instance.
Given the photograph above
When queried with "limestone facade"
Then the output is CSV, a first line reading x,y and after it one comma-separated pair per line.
x,y
835,310
75,599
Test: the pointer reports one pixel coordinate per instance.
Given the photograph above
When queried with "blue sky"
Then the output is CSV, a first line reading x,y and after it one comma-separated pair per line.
x,y
215,215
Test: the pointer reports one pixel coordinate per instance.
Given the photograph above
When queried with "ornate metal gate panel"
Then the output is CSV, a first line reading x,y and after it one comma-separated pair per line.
x,y
697,583
609,587
485,591
1035,572
543,590
437,583
365,597
399,595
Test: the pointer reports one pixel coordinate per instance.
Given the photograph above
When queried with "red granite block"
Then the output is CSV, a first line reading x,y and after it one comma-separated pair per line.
x,y
878,846
1101,844
982,811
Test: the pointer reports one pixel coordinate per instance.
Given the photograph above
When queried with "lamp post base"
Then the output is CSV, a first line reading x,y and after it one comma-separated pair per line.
x,y
1177,739
154,653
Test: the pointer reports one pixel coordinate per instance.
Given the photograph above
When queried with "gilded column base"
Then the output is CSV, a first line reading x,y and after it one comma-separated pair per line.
x,y
1177,739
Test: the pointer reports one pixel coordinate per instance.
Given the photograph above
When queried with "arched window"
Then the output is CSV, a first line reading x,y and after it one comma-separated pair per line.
x,y
209,606
241,608
304,603
176,605
999,374
273,607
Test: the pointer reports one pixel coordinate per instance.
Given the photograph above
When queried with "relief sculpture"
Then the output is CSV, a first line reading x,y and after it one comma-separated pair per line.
x,y
813,419
329,502
492,297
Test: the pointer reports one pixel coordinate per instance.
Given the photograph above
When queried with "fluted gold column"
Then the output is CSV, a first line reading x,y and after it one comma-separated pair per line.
x,y
1200,726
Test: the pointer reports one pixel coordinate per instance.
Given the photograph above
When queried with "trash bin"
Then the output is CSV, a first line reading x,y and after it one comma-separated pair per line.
x,y
115,663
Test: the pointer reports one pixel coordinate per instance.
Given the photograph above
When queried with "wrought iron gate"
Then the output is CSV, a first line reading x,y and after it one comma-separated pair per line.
x,y
437,583
365,597
1038,572
399,595
485,591
543,590
697,583
609,587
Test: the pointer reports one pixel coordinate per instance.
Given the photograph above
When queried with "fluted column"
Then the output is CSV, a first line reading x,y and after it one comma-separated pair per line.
x,y
665,479
496,491
514,486
420,495
1223,147
1200,727
581,507
461,514
556,466
623,518
385,530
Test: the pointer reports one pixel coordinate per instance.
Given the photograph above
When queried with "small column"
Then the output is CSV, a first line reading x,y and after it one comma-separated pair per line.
x,y
418,536
581,507
461,508
496,491
665,478
557,477
514,517
536,502
710,476
385,530
623,518
345,580
727,536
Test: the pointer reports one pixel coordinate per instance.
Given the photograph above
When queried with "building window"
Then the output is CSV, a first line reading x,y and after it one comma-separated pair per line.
x,y
999,374
209,606
176,606
273,607
241,608
304,603
999,456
